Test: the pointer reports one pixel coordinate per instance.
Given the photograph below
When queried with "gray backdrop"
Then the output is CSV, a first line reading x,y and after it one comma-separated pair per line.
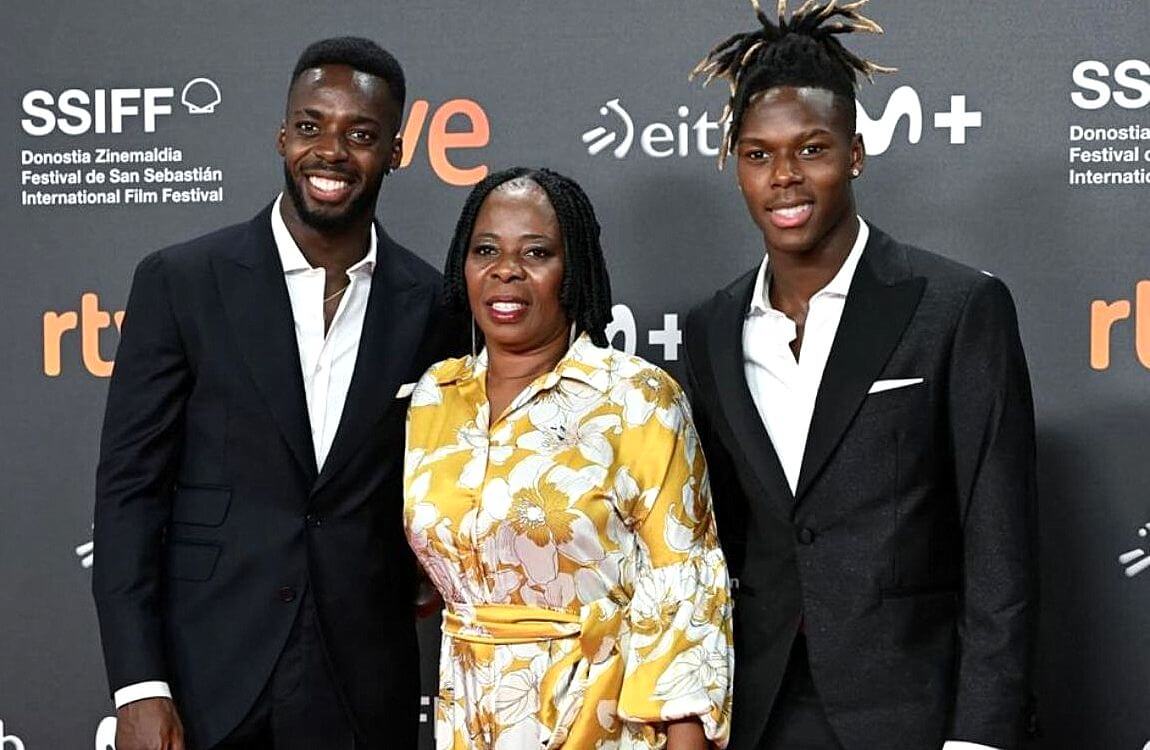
x,y
1009,196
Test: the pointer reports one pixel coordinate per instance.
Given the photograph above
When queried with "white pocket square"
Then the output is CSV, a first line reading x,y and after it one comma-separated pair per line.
x,y
405,390
889,385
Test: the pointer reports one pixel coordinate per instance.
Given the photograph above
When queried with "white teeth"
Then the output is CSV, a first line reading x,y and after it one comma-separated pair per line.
x,y
507,307
792,211
325,184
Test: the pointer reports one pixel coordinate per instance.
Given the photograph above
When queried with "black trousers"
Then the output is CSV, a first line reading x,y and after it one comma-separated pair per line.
x,y
300,707
798,721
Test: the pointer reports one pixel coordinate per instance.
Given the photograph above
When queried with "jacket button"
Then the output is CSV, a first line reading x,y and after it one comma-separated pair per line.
x,y
287,594
805,536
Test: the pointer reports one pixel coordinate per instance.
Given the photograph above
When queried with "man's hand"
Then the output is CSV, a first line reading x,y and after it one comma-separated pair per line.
x,y
149,724
427,600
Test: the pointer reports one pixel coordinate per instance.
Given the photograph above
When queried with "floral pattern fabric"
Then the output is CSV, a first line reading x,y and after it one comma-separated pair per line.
x,y
572,539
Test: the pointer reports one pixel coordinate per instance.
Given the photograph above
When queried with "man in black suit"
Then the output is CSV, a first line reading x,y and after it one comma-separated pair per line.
x,y
865,409
253,585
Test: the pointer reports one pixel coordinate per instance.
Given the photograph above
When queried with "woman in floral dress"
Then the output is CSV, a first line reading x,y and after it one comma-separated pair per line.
x,y
556,496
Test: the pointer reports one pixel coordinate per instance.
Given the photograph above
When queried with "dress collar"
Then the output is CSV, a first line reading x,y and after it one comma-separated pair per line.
x,y
583,362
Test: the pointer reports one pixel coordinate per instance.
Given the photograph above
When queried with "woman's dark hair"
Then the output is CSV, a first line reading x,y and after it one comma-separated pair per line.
x,y
803,51
586,291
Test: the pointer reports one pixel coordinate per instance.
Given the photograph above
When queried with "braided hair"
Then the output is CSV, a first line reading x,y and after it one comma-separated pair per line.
x,y
802,51
586,290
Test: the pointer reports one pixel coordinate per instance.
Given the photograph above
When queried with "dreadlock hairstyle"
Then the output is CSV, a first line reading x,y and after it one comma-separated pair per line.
x,y
802,51
356,52
586,291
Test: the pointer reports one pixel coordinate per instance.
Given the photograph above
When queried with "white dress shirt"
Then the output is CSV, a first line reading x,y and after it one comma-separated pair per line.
x,y
327,361
783,388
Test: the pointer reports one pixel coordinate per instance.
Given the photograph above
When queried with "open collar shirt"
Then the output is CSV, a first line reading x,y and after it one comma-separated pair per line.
x,y
327,360
782,387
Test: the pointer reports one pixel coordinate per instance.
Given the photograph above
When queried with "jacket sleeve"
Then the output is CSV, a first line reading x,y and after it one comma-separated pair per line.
x,y
725,490
992,434
139,446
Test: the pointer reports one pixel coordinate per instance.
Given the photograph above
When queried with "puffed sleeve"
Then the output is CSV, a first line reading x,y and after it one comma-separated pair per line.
x,y
679,660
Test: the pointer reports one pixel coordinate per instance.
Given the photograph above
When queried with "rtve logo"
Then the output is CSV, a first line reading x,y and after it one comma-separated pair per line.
x,y
474,133
1105,315
90,320
1130,88
77,111
703,135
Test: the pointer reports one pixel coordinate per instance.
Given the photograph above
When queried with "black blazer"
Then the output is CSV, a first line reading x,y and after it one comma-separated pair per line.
x,y
211,520
906,550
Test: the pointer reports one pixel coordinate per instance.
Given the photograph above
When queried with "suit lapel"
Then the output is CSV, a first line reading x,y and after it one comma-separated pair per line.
x,y
393,329
725,343
882,299
255,299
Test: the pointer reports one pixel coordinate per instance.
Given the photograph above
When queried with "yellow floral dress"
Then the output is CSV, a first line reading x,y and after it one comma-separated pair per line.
x,y
572,539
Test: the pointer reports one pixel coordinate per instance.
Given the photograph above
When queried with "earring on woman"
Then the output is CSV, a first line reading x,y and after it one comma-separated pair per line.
x,y
571,336
474,356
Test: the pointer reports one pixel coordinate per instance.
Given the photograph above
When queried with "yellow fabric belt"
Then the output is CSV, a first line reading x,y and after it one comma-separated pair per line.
x,y
509,623
562,689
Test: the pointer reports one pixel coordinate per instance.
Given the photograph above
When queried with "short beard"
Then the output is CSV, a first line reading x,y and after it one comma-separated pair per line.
x,y
360,206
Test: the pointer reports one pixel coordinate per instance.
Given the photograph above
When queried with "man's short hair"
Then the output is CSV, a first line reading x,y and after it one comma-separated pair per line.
x,y
356,52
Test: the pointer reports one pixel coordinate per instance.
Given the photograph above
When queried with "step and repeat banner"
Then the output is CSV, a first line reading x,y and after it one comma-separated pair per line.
x,y
1015,138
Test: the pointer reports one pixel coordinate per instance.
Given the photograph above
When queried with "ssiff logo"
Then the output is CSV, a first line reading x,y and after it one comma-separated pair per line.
x,y
78,111
703,135
200,96
1137,559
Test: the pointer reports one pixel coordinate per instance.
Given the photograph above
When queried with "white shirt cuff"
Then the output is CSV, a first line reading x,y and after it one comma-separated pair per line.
x,y
957,745
142,690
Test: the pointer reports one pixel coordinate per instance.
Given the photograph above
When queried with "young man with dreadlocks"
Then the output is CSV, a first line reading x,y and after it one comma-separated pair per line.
x,y
865,408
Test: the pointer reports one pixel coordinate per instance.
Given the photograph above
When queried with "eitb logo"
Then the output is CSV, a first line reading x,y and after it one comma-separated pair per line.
x,y
700,134
688,135
9,741
1138,559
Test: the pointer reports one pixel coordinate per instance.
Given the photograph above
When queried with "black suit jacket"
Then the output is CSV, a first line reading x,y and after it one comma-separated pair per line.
x,y
211,520
906,550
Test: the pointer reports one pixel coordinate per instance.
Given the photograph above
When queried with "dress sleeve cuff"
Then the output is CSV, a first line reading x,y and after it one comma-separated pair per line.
x,y
141,690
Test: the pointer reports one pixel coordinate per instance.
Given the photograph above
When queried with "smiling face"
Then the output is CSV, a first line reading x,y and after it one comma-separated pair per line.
x,y
514,268
338,140
795,155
